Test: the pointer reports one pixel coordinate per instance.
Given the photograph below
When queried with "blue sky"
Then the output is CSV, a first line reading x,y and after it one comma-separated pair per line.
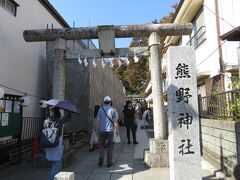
x,y
112,12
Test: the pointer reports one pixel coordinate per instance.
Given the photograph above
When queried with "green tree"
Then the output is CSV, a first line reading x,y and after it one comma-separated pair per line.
x,y
135,76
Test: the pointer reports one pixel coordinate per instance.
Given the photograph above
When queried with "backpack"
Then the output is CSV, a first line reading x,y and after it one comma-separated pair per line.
x,y
49,137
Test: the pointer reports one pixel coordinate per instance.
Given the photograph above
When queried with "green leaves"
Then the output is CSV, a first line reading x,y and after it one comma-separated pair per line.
x,y
135,76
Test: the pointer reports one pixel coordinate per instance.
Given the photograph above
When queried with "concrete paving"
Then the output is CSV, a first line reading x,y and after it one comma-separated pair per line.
x,y
128,165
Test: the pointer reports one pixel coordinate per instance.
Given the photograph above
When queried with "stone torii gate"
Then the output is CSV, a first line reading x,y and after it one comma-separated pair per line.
x,y
106,35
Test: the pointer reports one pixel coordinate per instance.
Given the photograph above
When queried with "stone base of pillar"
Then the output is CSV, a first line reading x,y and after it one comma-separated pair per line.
x,y
64,176
158,155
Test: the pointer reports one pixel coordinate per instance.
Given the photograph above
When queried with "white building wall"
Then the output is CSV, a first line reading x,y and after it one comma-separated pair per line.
x,y
229,10
184,40
23,63
203,61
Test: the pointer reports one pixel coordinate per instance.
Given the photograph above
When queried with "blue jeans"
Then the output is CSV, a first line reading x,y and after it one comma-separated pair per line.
x,y
56,168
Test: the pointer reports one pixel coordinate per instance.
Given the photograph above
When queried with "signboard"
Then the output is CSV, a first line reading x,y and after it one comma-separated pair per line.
x,y
184,145
10,116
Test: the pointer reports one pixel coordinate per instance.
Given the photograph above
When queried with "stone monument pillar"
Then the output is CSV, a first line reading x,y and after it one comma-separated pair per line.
x,y
59,69
158,154
184,145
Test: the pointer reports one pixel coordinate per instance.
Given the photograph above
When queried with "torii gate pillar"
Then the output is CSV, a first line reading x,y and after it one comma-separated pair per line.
x,y
157,90
59,70
157,156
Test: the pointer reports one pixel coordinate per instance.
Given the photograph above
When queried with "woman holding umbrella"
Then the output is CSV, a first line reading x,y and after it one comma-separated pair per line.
x,y
54,154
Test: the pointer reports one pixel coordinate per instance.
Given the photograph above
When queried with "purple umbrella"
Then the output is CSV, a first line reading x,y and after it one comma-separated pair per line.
x,y
52,102
68,106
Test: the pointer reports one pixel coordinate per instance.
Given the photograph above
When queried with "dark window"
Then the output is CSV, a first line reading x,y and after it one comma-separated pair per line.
x,y
10,6
2,2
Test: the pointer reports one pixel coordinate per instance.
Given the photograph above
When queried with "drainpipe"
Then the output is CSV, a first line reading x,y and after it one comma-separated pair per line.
x,y
238,55
218,37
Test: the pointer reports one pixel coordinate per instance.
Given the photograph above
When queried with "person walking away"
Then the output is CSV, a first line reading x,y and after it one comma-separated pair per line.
x,y
94,137
106,122
129,116
146,118
54,154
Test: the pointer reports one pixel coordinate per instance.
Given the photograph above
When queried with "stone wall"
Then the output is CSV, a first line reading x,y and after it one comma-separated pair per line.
x,y
220,142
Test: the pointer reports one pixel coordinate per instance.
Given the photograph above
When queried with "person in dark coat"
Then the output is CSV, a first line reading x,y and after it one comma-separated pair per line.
x,y
129,118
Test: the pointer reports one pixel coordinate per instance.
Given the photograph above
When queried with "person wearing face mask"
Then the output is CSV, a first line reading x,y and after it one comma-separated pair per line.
x,y
129,117
54,154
